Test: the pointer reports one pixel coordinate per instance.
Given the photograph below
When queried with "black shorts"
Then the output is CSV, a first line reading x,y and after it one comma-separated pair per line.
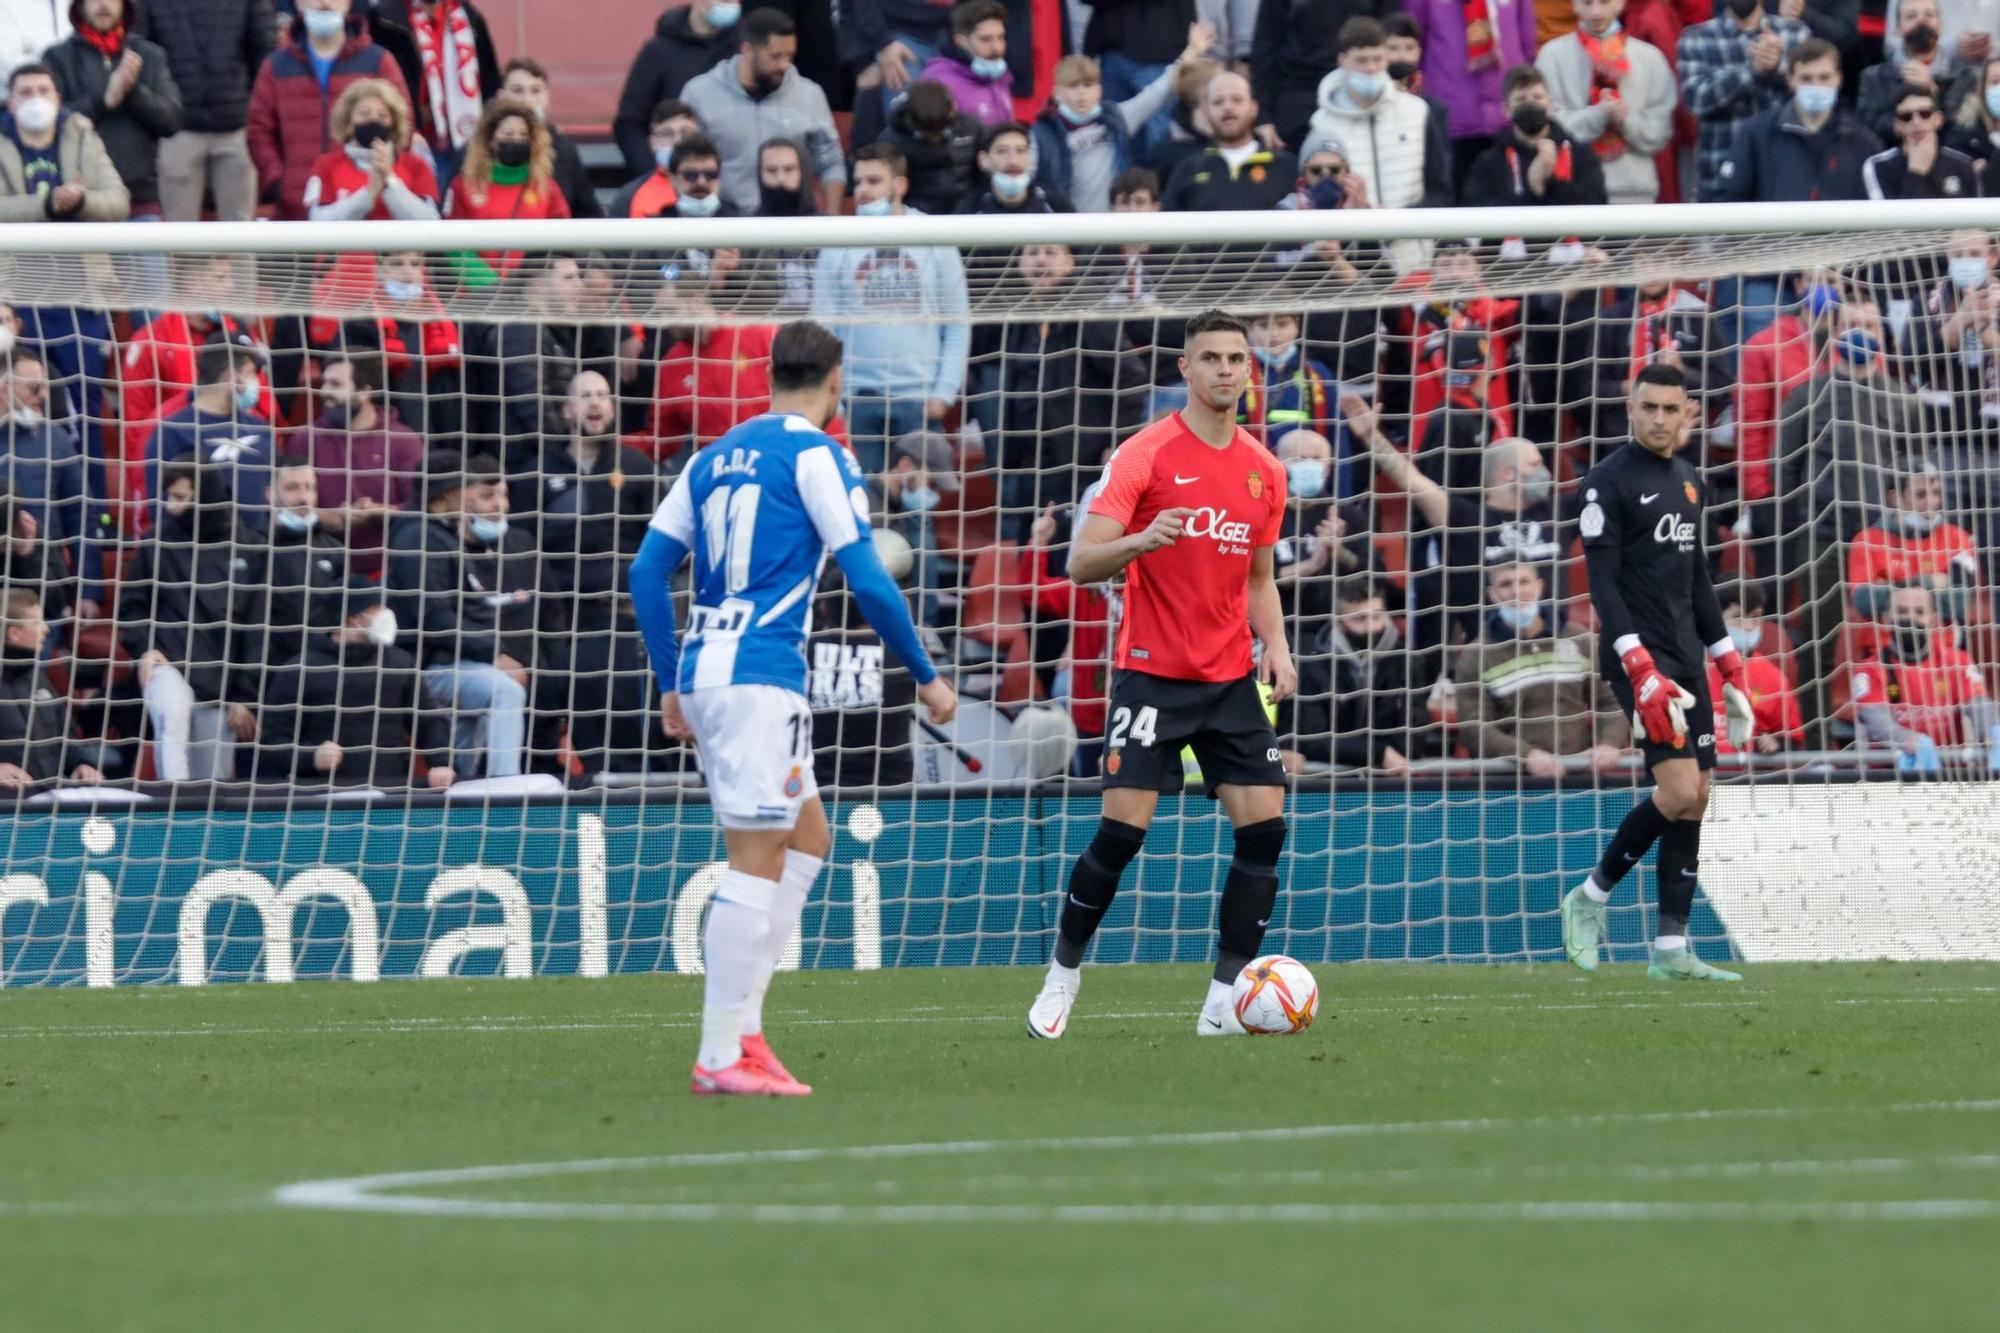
x,y
1700,743
1152,719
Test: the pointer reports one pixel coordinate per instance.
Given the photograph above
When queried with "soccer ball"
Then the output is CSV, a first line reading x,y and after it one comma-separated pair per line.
x,y
1275,996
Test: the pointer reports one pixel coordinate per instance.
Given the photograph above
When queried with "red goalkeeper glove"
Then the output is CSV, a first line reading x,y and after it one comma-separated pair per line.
x,y
1740,715
1659,707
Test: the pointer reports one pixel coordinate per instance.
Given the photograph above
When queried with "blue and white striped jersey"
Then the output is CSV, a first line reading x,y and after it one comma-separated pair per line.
x,y
759,509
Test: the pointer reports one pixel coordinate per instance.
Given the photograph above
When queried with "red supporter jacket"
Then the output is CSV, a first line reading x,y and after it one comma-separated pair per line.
x,y
287,129
1775,361
334,177
1925,696
1771,700
1422,329
419,329
702,394
1088,614
526,200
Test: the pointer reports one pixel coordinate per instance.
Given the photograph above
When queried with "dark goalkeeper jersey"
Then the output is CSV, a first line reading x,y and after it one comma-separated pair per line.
x,y
1641,524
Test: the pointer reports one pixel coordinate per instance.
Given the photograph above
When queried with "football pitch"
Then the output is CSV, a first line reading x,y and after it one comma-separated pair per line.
x,y
1451,1147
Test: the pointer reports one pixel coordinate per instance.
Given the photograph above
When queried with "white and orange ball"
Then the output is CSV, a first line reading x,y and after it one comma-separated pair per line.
x,y
1276,996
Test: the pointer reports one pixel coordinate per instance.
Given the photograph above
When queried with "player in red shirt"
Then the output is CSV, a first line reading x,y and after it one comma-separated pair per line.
x,y
1921,687
1190,510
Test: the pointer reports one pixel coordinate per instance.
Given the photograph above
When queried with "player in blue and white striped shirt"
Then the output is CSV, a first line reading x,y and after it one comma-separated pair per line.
x,y
759,510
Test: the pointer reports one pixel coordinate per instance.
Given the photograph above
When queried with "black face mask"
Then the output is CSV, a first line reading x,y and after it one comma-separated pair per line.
x,y
1530,119
1921,40
1402,71
1743,9
369,133
513,153
777,201
1913,641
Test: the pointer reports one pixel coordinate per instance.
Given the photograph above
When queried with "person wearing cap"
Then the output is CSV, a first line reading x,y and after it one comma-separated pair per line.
x,y
342,710
468,587
306,561
923,470
221,423
191,612
585,506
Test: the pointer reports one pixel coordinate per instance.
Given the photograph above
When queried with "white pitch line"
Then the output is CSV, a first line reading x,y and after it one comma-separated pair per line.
x,y
366,1193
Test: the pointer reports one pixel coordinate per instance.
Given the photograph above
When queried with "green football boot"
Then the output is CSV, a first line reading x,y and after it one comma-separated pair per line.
x,y
1681,965
1583,928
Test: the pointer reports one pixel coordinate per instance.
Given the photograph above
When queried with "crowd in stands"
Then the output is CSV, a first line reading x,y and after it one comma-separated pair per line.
x,y
385,544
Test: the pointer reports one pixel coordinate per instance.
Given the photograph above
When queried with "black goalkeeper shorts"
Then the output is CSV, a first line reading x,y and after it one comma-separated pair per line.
x,y
1699,745
1152,719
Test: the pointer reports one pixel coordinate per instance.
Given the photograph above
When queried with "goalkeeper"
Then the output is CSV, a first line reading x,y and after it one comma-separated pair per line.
x,y
1641,523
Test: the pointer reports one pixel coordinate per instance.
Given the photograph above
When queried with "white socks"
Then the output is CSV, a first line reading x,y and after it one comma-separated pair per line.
x,y
1593,891
733,952
1069,978
1665,942
801,872
1221,995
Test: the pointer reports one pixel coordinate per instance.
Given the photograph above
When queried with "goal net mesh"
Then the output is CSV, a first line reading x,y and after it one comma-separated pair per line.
x,y
221,469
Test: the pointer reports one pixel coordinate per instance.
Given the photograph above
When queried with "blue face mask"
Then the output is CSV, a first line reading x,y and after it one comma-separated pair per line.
x,y
1274,358
1815,100
1367,87
875,208
1857,346
663,158
723,16
1918,525
1010,184
921,499
1517,618
1820,299
324,23
1745,638
1969,271
489,528
990,70
1079,117
248,395
1306,477
291,520
1993,101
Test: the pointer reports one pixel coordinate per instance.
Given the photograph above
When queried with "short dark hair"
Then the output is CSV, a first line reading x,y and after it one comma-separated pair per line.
x,y
1662,375
802,356
1355,589
991,134
672,108
1522,76
181,469
216,362
928,105
1909,90
692,148
366,363
781,141
31,67
1213,321
527,65
1745,594
888,155
1812,49
969,15
1360,31
1400,24
760,26
1134,179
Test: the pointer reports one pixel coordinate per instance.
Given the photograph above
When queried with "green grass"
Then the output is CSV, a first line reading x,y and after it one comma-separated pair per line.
x,y
143,1132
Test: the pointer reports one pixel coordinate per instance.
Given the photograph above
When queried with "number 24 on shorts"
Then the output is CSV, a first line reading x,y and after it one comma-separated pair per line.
x,y
1140,727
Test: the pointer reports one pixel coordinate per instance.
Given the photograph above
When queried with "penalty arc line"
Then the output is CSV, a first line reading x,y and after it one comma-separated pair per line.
x,y
366,1193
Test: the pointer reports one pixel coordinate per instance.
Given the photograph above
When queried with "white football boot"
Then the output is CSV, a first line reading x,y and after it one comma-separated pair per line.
x,y
1048,1016
1218,1016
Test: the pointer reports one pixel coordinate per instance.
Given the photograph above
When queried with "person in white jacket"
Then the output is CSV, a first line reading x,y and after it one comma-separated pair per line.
x,y
1615,93
28,28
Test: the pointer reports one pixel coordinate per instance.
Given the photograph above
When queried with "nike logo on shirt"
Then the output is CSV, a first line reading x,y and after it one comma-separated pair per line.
x,y
1648,499
1179,480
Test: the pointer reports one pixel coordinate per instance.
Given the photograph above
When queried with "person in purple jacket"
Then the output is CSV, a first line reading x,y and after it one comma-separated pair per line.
x,y
975,69
1469,45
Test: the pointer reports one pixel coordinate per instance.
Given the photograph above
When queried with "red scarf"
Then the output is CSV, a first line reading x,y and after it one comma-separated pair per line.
x,y
1652,334
108,44
1477,12
450,92
1608,67
1565,169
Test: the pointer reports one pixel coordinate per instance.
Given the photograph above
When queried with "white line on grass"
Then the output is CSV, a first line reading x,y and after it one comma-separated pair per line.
x,y
371,1193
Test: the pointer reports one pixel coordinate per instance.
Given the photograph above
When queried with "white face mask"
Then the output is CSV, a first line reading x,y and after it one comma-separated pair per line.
x,y
400,292
383,628
37,115
1010,184
26,416
875,208
704,207
1746,638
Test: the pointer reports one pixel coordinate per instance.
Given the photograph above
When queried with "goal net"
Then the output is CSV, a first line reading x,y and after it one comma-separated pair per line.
x,y
319,660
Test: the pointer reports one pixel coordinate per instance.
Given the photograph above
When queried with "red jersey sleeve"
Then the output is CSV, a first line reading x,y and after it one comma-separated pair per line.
x,y
1274,525
1864,559
1131,475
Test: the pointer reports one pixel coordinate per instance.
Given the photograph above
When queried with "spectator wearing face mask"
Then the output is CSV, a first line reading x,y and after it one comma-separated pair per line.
x,y
756,96
1920,166
367,463
398,318
1391,140
1288,390
373,174
687,41
41,467
1320,539
1007,163
651,194
326,51
939,145
191,613
1772,700
1913,542
1469,46
343,710
1975,129
1732,69
1919,690
524,80
1358,705
1774,362
156,365
923,470
306,561
37,741
1295,44
509,173
1927,62
1615,95
973,69
1083,142
1954,344
122,82
1534,160
1527,688
222,427
449,66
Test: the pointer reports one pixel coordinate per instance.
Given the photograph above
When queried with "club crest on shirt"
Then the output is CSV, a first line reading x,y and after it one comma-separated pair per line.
x,y
1256,485
1693,496
1111,762
795,783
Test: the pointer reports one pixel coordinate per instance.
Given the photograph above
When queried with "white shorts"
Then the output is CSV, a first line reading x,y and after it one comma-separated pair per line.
x,y
755,747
